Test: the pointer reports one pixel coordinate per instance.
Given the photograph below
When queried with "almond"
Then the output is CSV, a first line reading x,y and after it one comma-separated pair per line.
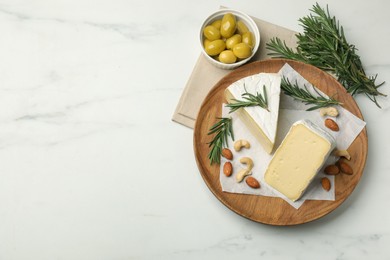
x,y
332,170
228,169
227,154
345,168
252,182
325,182
332,125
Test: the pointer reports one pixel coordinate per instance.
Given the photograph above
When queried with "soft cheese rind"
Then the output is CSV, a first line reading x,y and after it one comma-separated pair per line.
x,y
298,159
262,123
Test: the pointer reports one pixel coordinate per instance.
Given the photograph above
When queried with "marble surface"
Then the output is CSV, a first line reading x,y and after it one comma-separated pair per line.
x,y
92,167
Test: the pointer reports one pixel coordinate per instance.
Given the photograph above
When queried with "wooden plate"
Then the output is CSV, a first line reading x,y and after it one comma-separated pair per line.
x,y
269,210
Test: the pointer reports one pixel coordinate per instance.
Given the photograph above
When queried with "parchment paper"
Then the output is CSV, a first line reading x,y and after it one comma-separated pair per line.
x,y
290,112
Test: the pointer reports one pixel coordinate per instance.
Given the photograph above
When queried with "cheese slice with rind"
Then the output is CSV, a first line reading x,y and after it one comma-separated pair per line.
x,y
260,122
302,153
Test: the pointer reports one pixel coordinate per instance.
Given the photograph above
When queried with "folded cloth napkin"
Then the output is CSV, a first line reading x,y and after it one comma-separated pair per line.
x,y
204,75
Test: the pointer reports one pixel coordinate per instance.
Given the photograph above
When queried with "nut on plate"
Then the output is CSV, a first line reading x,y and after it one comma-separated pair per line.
x,y
245,172
325,182
332,169
344,167
227,153
228,169
248,162
342,153
329,111
252,182
242,174
239,144
332,125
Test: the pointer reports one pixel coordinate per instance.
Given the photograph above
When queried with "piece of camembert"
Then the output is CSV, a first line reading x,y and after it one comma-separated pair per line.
x,y
298,159
262,123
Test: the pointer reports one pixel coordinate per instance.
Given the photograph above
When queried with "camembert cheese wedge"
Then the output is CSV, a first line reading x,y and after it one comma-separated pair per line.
x,y
262,123
298,159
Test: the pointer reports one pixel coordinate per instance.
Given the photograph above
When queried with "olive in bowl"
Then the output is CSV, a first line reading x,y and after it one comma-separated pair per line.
x,y
229,38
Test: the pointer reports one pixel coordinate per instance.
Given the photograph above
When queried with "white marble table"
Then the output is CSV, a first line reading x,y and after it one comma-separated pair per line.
x,y
92,167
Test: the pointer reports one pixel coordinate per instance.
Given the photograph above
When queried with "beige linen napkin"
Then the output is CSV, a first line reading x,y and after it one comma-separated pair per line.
x,y
205,76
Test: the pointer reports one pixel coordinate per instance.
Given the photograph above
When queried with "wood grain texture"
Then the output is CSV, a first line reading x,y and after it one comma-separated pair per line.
x,y
268,210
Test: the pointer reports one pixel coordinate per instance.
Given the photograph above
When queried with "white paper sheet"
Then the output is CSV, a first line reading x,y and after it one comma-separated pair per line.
x,y
290,112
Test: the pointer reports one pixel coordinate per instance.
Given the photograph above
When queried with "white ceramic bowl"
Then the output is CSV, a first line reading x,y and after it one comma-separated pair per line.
x,y
239,16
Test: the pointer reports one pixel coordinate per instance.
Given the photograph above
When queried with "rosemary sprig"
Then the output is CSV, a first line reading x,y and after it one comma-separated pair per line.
x,y
250,100
324,45
305,96
223,129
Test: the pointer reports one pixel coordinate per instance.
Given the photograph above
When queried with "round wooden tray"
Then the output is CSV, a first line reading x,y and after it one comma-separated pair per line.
x,y
269,210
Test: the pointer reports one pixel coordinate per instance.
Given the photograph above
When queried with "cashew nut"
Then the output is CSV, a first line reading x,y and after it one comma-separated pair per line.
x,y
329,111
245,172
241,143
248,162
342,153
241,174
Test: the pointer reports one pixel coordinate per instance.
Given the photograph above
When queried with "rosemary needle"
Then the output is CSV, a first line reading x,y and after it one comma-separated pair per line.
x,y
305,96
324,45
250,100
222,129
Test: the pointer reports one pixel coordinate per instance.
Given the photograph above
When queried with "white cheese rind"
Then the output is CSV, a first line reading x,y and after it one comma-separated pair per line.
x,y
298,159
262,123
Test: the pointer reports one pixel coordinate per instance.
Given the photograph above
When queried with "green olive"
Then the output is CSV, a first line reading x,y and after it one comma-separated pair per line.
x,y
206,42
233,41
215,47
241,27
249,39
228,25
211,33
242,50
217,24
227,57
